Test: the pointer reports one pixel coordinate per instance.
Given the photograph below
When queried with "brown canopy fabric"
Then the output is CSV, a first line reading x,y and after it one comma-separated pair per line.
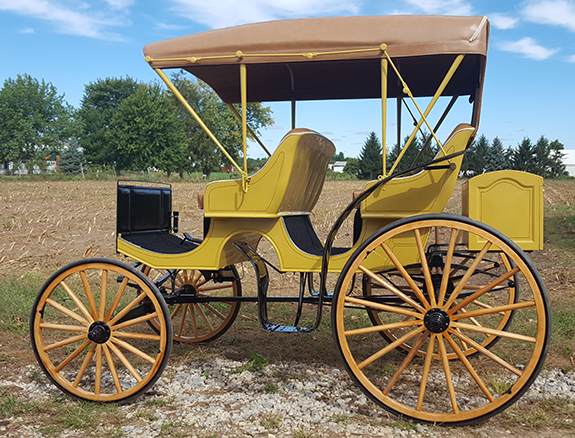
x,y
423,48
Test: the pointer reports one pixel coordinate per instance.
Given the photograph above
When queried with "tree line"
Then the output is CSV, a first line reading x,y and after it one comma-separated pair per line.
x,y
122,124
544,157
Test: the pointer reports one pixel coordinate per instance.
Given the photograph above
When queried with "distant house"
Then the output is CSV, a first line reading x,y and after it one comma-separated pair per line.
x,y
337,166
569,161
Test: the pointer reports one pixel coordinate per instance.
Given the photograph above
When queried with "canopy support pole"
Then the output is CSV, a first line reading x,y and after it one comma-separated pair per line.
x,y
244,97
384,114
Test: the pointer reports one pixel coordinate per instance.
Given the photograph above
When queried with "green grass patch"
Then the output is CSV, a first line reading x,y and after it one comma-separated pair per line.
x,y
560,226
18,295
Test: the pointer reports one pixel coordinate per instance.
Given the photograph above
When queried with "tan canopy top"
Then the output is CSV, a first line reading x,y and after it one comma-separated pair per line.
x,y
332,58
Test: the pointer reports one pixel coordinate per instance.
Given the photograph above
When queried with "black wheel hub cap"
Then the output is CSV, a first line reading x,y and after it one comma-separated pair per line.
x,y
436,320
99,332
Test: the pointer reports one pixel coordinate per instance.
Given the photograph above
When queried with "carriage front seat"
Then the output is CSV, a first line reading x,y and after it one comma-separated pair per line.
x,y
289,184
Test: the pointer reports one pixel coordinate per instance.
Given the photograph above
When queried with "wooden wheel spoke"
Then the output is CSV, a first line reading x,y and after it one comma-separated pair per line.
x,y
482,291
89,295
425,374
103,295
383,307
98,382
390,347
183,320
117,298
73,356
378,328
125,361
486,352
447,371
177,308
134,321
470,368
132,349
131,335
491,310
494,332
66,342
447,266
112,368
214,287
68,328
215,311
414,349
67,312
414,287
77,302
204,317
83,367
126,309
425,267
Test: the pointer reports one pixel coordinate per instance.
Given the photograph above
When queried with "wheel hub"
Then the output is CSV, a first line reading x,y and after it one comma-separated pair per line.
x,y
436,320
99,332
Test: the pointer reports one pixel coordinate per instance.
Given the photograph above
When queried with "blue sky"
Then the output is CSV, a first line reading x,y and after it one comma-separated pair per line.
x,y
529,85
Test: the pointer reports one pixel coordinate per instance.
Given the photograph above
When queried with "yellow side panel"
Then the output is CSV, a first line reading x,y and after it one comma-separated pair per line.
x,y
509,201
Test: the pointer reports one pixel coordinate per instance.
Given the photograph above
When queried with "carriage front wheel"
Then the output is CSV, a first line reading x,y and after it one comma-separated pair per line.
x,y
441,305
90,332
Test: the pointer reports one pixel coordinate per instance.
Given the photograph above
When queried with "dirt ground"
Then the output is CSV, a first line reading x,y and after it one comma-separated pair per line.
x,y
47,224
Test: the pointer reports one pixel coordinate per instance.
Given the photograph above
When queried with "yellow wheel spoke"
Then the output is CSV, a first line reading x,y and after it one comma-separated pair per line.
x,y
482,291
134,321
214,287
490,310
486,352
489,331
176,310
414,349
98,382
183,320
77,302
204,317
425,267
66,342
132,349
378,328
67,312
125,361
194,322
447,371
89,295
390,347
447,266
214,311
112,368
126,309
117,298
414,287
426,367
73,356
68,328
144,336
84,365
384,307
470,368
103,294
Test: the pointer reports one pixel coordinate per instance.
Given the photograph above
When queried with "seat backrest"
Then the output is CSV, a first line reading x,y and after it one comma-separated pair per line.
x,y
289,183
425,192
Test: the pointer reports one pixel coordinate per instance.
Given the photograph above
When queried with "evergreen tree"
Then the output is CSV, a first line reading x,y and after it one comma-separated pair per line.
x,y
495,158
557,167
524,157
72,159
370,158
474,160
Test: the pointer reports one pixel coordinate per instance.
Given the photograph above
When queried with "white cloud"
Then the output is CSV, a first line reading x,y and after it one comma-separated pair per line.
x,y
553,12
86,23
27,30
448,7
165,26
120,4
529,48
571,58
502,21
224,13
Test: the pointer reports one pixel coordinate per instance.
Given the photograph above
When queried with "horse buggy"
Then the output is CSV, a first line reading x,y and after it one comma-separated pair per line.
x,y
437,317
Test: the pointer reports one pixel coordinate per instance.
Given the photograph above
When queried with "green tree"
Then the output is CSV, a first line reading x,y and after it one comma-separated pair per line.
x,y
337,157
495,157
201,152
146,132
557,166
72,159
351,167
34,121
474,160
524,157
101,101
413,153
370,158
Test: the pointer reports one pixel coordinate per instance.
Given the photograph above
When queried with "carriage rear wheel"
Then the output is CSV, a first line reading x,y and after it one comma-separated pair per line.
x,y
438,367
90,334
202,321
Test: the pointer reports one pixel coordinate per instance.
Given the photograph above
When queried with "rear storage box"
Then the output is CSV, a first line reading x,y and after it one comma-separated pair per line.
x,y
509,201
